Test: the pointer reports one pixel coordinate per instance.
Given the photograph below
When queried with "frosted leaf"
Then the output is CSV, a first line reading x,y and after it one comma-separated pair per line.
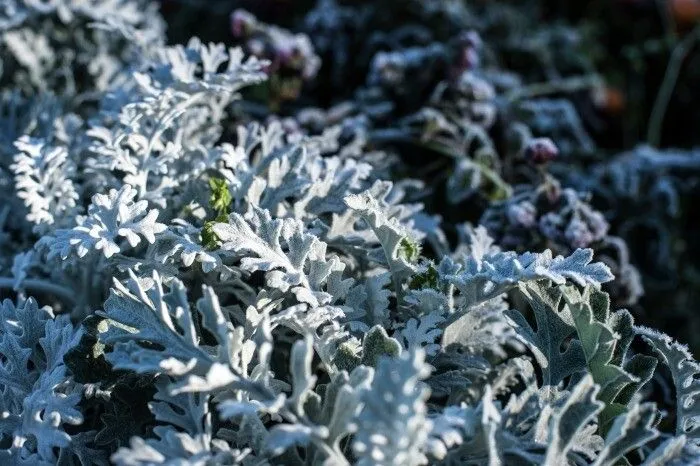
x,y
293,259
40,400
400,250
571,419
422,333
43,180
393,427
486,277
684,371
195,68
110,217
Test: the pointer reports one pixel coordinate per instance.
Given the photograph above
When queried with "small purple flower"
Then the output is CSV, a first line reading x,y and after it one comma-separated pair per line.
x,y
470,39
241,23
469,59
469,44
578,234
541,151
596,223
522,214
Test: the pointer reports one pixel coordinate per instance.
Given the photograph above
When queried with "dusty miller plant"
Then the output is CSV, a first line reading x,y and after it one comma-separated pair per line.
x,y
263,296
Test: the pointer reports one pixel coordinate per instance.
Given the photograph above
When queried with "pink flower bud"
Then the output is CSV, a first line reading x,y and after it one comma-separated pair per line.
x,y
241,23
540,151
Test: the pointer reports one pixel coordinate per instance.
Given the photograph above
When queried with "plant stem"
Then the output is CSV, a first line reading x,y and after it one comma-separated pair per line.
x,y
572,84
68,296
668,84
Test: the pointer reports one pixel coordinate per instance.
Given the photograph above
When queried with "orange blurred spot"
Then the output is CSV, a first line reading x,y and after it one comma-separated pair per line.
x,y
609,99
685,11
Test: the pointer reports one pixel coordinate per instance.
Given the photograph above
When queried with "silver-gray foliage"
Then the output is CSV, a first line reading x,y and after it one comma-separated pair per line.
x,y
229,291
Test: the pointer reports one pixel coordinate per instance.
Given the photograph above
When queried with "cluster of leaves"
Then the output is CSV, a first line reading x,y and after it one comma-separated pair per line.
x,y
655,190
458,90
229,288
